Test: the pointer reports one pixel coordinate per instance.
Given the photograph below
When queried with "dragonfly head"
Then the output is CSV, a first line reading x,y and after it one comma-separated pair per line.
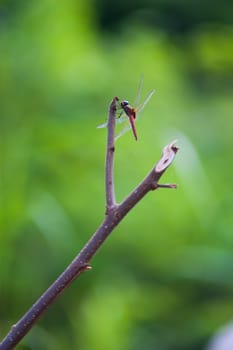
x,y
124,103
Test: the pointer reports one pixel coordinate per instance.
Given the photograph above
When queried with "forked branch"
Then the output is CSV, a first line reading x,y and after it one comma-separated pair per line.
x,y
114,214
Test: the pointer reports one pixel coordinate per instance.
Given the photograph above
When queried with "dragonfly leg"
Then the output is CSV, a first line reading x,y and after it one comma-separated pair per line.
x,y
120,114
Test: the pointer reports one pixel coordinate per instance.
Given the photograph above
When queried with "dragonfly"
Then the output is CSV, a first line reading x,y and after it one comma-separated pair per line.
x,y
129,114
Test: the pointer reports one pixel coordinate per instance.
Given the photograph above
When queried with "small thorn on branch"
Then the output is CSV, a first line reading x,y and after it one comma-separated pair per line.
x,y
155,186
85,267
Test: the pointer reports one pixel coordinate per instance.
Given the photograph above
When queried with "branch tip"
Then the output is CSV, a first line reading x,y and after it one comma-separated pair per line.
x,y
173,146
113,107
167,158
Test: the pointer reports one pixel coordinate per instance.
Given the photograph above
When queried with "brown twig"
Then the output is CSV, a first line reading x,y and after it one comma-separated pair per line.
x,y
114,214
109,180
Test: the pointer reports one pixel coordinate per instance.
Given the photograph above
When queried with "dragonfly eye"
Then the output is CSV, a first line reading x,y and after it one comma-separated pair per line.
x,y
124,103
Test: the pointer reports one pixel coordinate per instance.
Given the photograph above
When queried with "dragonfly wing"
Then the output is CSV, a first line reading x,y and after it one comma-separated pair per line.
x,y
123,131
144,103
120,120
102,126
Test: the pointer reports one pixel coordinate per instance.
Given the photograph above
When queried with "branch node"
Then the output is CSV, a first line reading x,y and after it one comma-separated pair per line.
x,y
154,186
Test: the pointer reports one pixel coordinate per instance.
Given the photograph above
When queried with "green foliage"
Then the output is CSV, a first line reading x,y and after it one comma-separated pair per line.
x,y
163,279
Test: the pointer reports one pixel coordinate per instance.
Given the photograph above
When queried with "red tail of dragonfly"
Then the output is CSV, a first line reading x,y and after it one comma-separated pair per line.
x,y
131,113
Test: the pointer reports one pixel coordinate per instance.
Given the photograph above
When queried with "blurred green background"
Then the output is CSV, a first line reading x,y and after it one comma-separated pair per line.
x,y
164,278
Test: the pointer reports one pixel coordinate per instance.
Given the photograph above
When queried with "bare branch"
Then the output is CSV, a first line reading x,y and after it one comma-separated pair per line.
x,y
115,213
109,179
